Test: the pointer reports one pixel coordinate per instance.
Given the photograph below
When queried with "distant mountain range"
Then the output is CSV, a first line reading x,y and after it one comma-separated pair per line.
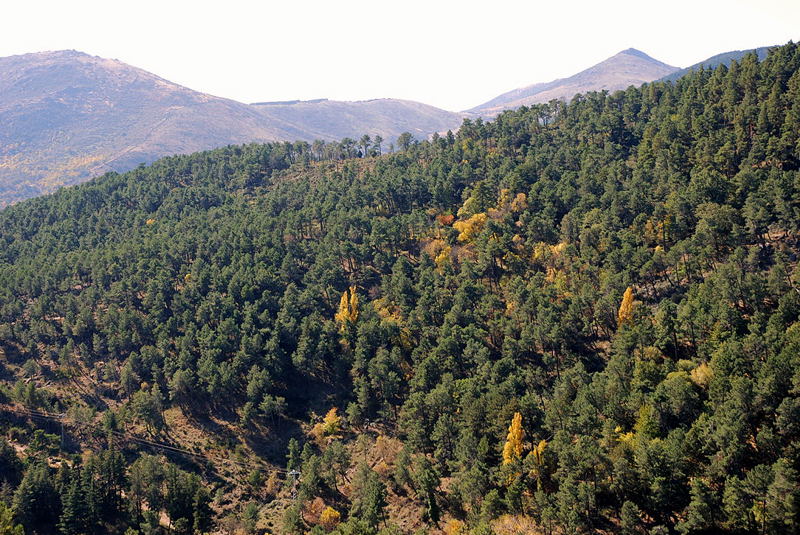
x,y
67,116
333,120
629,67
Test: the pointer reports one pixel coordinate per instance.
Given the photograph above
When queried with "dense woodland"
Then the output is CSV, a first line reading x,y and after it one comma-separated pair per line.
x,y
578,317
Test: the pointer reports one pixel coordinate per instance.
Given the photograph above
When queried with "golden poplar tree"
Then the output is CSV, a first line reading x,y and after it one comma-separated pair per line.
x,y
513,447
348,308
538,462
471,227
538,453
344,309
625,314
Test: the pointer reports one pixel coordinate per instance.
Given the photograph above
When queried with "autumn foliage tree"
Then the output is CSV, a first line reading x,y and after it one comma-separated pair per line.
x,y
469,228
330,425
625,314
512,450
347,313
329,518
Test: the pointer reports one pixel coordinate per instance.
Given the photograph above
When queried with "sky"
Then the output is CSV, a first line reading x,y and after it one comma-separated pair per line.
x,y
450,54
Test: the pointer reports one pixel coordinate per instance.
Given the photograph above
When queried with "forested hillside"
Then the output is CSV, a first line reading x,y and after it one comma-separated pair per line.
x,y
576,318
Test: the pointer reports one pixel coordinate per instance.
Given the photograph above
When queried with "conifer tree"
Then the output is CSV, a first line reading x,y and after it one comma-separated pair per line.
x,y
370,496
7,525
426,481
74,519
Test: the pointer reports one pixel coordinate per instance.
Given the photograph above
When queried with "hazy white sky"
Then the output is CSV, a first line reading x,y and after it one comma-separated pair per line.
x,y
451,54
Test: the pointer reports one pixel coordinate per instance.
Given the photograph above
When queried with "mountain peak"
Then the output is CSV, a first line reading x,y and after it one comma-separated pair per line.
x,y
67,53
50,54
720,59
637,53
626,68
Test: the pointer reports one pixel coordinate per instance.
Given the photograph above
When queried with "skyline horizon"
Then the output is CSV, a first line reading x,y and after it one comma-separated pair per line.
x,y
448,54
385,97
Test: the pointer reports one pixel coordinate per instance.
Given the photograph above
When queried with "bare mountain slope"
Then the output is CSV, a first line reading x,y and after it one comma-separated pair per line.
x,y
629,67
330,119
67,116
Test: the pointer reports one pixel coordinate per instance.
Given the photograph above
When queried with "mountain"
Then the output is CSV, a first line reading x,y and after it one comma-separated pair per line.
x,y
67,116
715,61
629,67
334,120
585,325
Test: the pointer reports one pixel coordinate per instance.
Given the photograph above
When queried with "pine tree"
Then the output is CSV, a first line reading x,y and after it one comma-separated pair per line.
x,y
370,496
7,525
700,513
293,454
630,519
36,502
202,513
426,481
75,513
10,465
783,497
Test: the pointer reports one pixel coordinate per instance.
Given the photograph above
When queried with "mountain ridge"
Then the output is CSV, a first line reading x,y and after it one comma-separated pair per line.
x,y
66,116
716,60
627,67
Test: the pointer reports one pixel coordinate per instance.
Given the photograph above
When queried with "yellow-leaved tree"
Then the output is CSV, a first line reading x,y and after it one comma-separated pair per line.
x,y
537,454
328,428
702,375
329,518
625,314
470,228
454,527
332,423
513,447
348,309
443,257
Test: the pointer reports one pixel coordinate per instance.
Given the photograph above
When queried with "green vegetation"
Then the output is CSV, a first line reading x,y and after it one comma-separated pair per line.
x,y
582,316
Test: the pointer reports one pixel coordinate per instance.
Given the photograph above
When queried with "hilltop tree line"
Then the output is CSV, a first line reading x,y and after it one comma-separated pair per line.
x,y
585,314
